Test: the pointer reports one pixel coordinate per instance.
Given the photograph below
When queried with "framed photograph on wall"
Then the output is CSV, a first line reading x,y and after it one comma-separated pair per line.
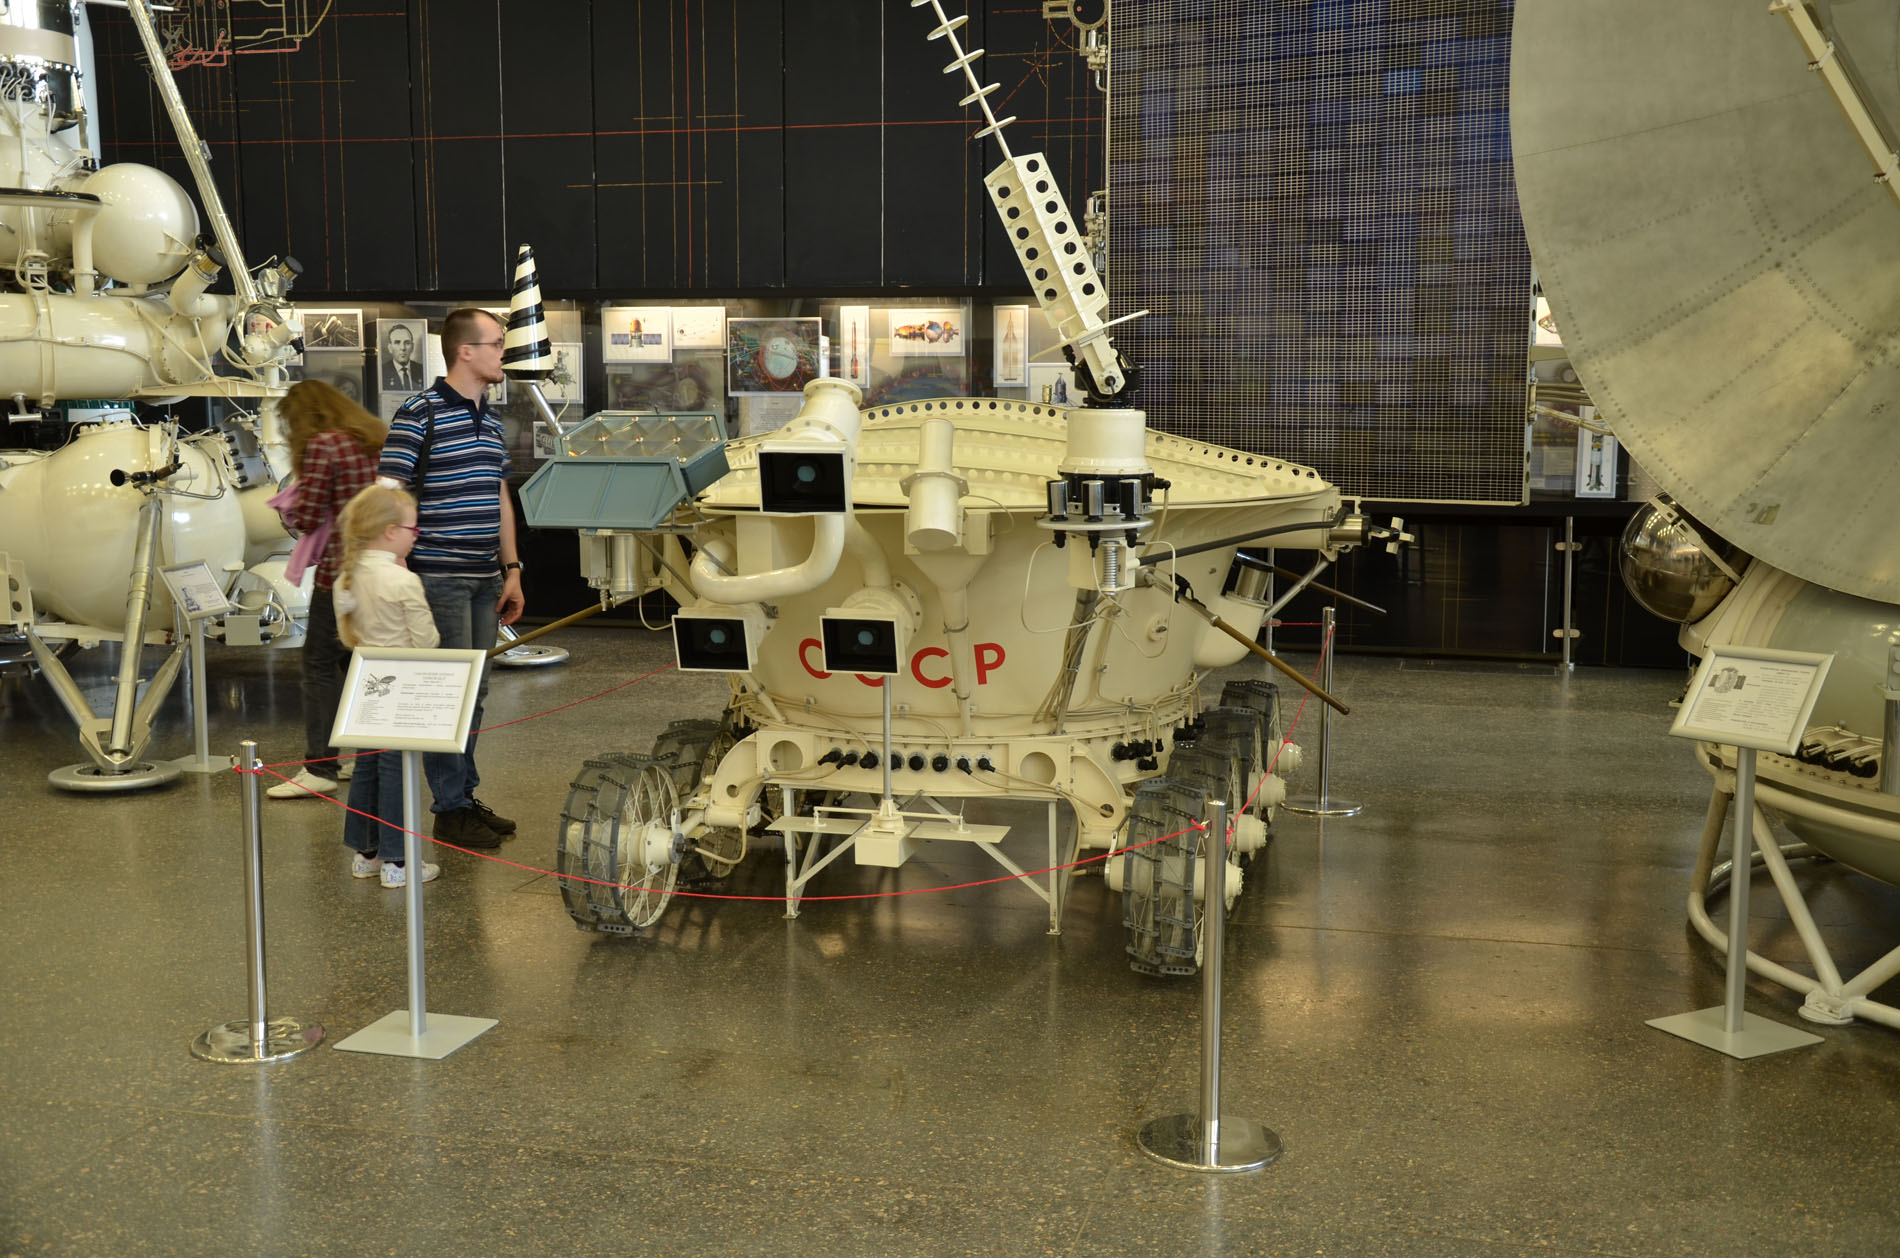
x,y
636,334
1053,384
699,327
693,382
332,328
563,387
402,347
341,369
1012,347
855,345
914,330
1596,460
772,355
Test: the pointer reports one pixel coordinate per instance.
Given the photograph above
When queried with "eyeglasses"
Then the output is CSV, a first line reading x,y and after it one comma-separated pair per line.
x,y
488,344
413,528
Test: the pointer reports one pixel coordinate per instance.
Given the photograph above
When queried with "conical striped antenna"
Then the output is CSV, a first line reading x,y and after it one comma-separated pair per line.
x,y
526,353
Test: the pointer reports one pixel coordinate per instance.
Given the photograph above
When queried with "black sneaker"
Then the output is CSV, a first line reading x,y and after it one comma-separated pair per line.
x,y
490,818
462,827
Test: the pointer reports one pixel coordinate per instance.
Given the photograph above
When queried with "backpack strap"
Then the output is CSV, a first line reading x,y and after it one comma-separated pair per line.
x,y
422,454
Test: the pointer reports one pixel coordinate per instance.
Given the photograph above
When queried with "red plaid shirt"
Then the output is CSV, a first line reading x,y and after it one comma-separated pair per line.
x,y
335,469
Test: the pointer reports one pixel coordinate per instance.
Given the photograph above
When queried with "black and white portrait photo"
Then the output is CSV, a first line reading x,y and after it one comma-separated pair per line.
x,y
400,346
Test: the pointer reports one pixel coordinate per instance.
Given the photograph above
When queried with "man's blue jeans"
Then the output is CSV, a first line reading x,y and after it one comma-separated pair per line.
x,y
464,611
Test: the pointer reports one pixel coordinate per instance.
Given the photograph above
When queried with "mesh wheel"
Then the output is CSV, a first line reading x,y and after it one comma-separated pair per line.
x,y
618,834
694,748
1158,908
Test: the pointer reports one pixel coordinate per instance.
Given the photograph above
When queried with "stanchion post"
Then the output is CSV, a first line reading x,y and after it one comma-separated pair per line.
x,y
258,1037
1323,804
1209,1140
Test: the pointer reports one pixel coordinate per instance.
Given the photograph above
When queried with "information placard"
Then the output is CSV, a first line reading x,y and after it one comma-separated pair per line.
x,y
405,699
195,590
1754,697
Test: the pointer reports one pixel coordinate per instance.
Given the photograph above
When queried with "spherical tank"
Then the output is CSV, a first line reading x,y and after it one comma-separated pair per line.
x,y
76,531
1669,564
143,232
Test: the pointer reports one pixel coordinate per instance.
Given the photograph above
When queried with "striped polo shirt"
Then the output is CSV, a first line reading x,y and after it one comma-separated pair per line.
x,y
460,505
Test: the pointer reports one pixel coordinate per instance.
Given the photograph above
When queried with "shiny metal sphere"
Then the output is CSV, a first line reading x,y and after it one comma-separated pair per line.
x,y
1666,565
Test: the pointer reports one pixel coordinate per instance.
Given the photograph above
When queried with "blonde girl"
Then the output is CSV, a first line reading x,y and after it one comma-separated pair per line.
x,y
379,602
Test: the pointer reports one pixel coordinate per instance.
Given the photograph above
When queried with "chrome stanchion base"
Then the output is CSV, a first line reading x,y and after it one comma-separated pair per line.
x,y
136,776
1313,806
1176,1140
284,1037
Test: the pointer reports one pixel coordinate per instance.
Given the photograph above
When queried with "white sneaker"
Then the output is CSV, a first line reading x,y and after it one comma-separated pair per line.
x,y
345,765
303,785
395,876
362,866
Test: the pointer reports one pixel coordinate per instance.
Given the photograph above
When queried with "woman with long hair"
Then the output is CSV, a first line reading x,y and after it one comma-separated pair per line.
x,y
334,445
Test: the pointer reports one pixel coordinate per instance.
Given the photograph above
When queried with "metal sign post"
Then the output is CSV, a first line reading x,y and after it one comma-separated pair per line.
x,y
197,597
411,701
1752,699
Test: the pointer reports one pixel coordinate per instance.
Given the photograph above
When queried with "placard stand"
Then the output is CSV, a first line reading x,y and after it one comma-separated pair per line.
x,y
197,597
411,701
1752,699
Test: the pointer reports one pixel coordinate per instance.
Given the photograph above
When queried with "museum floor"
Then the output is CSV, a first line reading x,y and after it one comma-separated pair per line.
x,y
1439,1005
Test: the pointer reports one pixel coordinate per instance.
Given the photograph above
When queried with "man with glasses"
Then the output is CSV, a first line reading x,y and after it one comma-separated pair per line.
x,y
465,549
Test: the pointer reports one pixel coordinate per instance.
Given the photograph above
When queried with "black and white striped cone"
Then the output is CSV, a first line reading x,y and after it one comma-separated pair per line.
x,y
526,353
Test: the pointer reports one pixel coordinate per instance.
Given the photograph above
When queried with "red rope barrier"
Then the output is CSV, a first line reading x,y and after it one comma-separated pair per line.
x,y
774,899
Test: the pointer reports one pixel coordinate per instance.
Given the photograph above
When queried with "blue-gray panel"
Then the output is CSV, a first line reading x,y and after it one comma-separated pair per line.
x,y
1315,198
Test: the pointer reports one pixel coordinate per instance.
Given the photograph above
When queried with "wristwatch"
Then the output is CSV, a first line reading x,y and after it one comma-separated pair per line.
x,y
513,563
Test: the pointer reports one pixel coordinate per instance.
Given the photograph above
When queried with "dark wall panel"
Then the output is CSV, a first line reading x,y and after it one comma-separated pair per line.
x,y
933,170
456,101
548,159
666,146
834,194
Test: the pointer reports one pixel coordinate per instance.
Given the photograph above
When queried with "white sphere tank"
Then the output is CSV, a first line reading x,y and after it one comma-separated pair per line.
x,y
144,230
75,530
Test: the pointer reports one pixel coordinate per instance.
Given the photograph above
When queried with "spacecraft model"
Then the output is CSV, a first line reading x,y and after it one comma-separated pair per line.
x,y
925,604
1708,193
105,294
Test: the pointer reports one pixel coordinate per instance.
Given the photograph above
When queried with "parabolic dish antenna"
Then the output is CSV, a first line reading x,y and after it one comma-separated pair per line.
x,y
1723,266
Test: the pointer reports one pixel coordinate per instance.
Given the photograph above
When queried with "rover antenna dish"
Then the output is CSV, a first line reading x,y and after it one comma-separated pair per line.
x,y
1723,266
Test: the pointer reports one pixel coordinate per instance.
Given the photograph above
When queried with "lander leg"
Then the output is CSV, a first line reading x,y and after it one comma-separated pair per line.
x,y
115,764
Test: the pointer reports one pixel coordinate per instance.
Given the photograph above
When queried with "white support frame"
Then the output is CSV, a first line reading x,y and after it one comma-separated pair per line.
x,y
1828,999
851,824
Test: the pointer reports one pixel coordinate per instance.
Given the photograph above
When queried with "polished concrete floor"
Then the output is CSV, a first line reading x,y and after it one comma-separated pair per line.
x,y
1439,1005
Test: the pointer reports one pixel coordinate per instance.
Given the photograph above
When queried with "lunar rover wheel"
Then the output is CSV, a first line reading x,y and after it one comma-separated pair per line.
x,y
694,748
619,847
1158,907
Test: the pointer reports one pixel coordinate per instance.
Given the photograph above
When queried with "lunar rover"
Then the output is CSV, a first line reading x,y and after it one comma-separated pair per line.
x,y
929,603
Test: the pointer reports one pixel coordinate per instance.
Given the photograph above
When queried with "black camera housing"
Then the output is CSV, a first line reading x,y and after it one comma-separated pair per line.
x,y
713,644
803,481
860,644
